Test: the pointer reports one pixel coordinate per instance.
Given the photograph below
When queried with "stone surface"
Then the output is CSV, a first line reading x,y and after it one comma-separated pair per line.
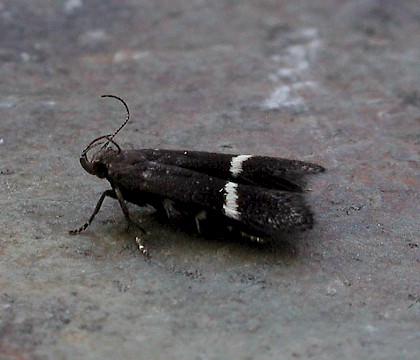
x,y
334,82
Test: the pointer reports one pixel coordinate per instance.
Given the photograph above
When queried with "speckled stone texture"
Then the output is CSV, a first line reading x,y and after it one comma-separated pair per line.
x,y
332,82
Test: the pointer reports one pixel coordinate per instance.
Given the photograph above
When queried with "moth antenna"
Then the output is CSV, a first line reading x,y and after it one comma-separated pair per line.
x,y
110,137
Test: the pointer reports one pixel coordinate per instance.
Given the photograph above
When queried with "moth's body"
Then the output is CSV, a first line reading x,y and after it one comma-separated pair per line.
x,y
258,196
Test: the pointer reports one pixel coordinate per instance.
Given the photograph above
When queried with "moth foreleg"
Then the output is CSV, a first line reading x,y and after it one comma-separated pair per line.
x,y
125,211
110,193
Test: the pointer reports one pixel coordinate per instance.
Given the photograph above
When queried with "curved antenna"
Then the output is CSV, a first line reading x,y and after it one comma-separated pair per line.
x,y
96,142
126,118
110,137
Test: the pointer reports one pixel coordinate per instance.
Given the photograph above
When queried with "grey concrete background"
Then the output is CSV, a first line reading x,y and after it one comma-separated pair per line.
x,y
334,82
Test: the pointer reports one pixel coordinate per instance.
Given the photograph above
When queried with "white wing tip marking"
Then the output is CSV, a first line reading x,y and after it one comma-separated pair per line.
x,y
230,207
236,164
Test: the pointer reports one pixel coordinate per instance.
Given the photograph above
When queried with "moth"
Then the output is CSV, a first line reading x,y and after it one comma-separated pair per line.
x,y
259,197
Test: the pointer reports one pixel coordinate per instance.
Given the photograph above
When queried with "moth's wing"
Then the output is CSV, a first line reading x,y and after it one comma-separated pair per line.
x,y
273,211
261,210
276,173
263,171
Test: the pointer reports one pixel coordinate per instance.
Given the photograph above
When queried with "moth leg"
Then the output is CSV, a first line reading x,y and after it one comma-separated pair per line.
x,y
253,238
141,246
202,215
124,209
106,193
168,206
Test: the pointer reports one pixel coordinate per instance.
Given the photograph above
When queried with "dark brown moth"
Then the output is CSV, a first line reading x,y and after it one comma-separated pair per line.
x,y
257,196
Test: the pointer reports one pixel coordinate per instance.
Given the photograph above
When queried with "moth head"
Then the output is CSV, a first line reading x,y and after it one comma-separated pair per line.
x,y
97,164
